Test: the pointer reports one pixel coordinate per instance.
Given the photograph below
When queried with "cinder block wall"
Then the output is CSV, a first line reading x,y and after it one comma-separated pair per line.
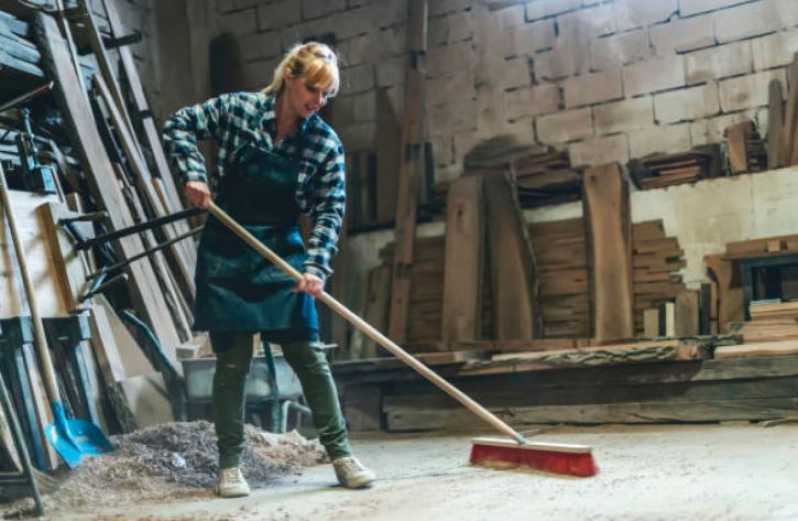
x,y
607,80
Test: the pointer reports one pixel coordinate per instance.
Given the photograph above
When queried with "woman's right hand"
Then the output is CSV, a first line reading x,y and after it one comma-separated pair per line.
x,y
198,194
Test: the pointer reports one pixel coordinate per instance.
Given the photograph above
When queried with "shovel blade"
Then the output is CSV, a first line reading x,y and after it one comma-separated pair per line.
x,y
73,439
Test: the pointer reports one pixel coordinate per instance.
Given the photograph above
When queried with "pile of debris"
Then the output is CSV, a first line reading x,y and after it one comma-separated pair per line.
x,y
174,460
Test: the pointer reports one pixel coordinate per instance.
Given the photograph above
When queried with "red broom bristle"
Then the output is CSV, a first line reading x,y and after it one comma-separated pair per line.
x,y
569,463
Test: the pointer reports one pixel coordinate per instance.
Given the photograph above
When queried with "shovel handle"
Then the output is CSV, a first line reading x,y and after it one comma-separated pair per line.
x,y
38,328
369,330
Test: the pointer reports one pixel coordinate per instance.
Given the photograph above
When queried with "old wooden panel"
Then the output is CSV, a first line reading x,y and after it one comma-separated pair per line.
x,y
462,294
606,208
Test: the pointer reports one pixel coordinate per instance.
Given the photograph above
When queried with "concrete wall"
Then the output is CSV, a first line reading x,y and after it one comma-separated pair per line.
x,y
606,80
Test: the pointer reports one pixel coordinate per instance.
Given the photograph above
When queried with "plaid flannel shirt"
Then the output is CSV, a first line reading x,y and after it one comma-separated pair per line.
x,y
246,117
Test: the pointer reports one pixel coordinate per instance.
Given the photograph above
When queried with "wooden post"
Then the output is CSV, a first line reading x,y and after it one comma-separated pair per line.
x,y
414,131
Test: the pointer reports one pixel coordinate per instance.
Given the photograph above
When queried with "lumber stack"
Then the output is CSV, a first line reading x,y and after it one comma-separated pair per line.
x,y
771,321
546,177
661,170
563,273
657,260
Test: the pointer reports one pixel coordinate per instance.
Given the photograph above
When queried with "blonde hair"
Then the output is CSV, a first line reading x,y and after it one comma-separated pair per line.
x,y
314,62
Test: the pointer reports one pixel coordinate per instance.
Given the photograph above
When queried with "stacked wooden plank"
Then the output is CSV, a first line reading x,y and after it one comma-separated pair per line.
x,y
562,268
19,56
771,321
656,259
546,177
661,170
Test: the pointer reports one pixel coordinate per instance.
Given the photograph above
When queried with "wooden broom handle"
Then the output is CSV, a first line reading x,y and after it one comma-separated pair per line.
x,y
38,327
368,330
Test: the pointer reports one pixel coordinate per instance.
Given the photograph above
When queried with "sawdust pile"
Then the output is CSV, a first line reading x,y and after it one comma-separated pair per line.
x,y
175,460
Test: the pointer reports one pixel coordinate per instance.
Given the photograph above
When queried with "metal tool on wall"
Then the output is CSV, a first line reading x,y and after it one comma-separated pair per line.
x,y
71,438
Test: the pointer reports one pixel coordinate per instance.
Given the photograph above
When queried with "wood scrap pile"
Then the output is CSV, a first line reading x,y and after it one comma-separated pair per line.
x,y
89,178
546,177
562,270
661,170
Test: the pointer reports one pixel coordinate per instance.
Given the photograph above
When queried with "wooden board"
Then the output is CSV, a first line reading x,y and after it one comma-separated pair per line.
x,y
606,208
784,348
130,356
46,279
145,290
775,137
736,136
462,286
411,172
515,284
67,261
686,313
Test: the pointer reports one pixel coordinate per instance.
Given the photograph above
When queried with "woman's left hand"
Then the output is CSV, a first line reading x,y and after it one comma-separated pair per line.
x,y
310,283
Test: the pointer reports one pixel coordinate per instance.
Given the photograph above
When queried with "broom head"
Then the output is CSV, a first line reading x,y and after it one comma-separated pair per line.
x,y
557,458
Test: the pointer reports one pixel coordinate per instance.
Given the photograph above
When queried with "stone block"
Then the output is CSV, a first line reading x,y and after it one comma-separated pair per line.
x,y
385,14
587,23
746,21
660,140
556,7
438,31
691,7
615,51
343,111
258,74
719,62
239,22
749,91
514,73
346,24
442,149
532,37
523,130
684,35
278,15
593,88
510,17
711,130
319,8
532,101
440,7
391,72
654,75
358,78
257,46
600,151
631,14
459,114
365,106
624,116
568,125
562,61
687,104
774,50
461,27
444,90
442,61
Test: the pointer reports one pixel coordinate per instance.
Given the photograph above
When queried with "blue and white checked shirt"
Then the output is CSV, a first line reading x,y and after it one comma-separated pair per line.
x,y
249,117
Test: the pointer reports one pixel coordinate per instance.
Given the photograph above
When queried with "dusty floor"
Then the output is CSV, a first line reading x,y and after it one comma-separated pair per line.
x,y
711,472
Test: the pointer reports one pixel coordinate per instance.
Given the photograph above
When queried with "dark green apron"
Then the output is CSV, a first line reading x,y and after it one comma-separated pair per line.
x,y
237,289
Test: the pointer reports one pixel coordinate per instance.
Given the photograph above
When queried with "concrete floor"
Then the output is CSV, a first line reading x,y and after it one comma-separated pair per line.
x,y
710,472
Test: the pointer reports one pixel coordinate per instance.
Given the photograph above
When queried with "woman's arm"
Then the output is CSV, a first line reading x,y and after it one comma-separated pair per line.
x,y
327,212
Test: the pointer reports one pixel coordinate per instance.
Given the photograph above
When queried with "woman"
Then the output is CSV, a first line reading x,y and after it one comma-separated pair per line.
x,y
277,159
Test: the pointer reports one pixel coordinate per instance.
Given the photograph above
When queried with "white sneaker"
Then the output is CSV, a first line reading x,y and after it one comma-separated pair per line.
x,y
231,483
352,474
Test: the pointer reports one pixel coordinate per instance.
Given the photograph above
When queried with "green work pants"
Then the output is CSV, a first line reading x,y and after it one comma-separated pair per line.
x,y
233,360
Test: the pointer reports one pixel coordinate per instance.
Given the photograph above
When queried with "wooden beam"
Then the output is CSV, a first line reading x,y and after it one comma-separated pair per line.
x,y
414,131
609,234
775,137
462,286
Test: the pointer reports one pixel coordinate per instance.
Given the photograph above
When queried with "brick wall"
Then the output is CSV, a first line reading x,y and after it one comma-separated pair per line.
x,y
605,79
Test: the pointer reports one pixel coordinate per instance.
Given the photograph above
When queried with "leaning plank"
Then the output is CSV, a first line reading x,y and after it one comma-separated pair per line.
x,y
515,288
609,231
151,136
144,287
775,137
411,171
462,276
68,263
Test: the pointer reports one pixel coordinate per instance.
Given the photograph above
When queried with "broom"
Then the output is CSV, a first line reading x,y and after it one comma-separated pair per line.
x,y
574,460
